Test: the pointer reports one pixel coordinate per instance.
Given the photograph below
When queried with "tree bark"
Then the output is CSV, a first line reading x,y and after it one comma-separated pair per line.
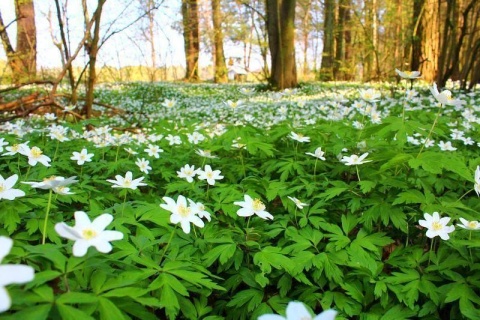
x,y
430,40
23,59
220,72
191,38
92,50
328,56
281,36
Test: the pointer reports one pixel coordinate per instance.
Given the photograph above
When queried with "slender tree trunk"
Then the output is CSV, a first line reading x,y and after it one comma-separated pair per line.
x,y
326,72
151,36
415,55
66,52
92,50
340,35
220,73
191,38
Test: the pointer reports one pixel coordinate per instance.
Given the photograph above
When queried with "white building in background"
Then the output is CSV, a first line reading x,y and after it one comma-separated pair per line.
x,y
235,70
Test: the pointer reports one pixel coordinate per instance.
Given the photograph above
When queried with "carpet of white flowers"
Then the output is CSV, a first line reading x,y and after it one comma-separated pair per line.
x,y
202,201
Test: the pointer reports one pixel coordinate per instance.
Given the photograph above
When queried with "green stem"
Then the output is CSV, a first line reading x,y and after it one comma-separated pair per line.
x,y
431,130
167,246
430,252
124,200
46,216
463,195
116,154
358,174
56,151
315,170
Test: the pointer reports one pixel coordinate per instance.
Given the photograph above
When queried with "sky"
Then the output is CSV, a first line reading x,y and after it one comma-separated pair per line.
x,y
123,49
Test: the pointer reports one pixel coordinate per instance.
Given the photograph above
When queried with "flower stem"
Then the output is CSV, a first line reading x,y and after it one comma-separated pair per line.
x,y
315,170
166,247
358,174
124,200
430,132
46,216
430,252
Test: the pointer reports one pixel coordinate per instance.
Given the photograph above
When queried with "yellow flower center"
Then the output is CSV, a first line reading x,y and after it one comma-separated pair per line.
x,y
2,187
183,211
49,179
258,205
127,182
471,224
437,226
36,152
300,135
89,234
209,175
15,147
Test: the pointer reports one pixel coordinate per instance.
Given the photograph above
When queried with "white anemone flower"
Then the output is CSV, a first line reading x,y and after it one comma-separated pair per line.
x,y
469,225
128,182
55,183
2,144
169,103
354,160
299,137
88,233
436,226
251,207
445,97
297,202
210,175
477,181
11,273
187,172
370,95
298,311
153,151
199,209
82,156
410,75
35,155
182,213
143,165
317,154
6,188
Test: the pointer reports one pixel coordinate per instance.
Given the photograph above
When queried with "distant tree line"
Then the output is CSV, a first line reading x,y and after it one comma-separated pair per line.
x,y
324,40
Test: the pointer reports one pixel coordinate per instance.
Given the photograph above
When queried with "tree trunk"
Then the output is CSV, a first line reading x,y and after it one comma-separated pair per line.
x,y
326,71
23,59
191,38
281,36
220,73
416,37
430,41
92,50
151,39
66,52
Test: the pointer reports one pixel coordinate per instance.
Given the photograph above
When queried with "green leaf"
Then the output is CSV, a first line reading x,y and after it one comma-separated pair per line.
x,y
410,196
222,253
76,297
270,257
71,313
366,186
108,310
39,312
250,297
